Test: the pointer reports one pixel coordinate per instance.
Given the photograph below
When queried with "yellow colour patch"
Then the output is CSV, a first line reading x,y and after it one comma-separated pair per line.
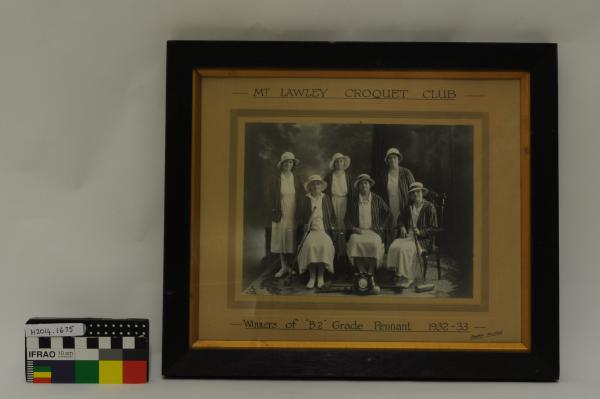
x,y
42,374
110,372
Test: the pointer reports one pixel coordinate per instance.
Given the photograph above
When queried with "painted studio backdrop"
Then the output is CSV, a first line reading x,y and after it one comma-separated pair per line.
x,y
439,156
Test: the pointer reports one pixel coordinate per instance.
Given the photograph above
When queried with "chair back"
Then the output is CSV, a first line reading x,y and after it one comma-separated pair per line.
x,y
439,201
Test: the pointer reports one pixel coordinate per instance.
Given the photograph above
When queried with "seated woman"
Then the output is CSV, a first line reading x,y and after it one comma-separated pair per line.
x,y
419,219
316,212
367,218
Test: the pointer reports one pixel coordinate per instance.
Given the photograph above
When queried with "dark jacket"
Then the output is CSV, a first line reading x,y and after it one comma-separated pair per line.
x,y
426,223
304,211
405,179
380,214
274,196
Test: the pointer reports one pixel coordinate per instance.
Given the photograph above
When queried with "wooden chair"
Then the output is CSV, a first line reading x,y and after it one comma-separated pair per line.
x,y
439,201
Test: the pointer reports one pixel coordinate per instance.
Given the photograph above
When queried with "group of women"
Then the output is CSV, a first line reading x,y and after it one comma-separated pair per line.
x,y
347,211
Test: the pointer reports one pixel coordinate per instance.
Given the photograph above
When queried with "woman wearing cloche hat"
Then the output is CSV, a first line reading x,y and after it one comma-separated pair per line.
x,y
367,218
339,188
418,219
316,213
394,183
283,192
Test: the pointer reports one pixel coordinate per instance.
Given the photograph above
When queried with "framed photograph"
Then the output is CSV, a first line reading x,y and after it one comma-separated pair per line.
x,y
361,211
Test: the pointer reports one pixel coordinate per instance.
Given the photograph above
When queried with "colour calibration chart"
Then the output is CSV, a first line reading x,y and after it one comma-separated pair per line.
x,y
92,351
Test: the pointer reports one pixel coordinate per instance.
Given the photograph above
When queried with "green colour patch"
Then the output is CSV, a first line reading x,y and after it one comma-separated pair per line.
x,y
86,371
43,369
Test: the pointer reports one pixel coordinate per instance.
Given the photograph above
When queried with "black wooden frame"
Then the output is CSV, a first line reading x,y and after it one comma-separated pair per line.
x,y
540,364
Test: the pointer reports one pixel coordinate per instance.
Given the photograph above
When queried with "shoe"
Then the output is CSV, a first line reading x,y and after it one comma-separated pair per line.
x,y
320,283
407,283
399,280
282,272
311,283
374,287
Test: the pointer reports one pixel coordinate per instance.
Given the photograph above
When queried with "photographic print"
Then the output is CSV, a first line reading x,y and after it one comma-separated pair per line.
x,y
309,188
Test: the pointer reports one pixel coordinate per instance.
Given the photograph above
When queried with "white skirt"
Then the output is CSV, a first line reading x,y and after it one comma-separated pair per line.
x,y
282,232
402,258
366,245
394,207
340,204
317,248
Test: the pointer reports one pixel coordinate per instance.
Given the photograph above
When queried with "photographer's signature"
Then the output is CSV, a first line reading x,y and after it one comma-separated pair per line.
x,y
486,335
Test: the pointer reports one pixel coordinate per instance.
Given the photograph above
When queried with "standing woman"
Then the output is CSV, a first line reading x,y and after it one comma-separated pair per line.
x,y
339,188
394,185
416,225
316,213
284,189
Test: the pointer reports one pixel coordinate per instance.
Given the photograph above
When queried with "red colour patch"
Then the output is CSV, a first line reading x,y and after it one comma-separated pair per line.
x,y
135,372
42,380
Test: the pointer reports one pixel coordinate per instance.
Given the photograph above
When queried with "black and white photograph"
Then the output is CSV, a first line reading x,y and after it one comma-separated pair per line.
x,y
336,209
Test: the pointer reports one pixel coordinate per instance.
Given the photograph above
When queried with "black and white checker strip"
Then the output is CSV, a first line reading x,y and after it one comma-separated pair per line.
x,y
29,370
87,342
94,327
117,328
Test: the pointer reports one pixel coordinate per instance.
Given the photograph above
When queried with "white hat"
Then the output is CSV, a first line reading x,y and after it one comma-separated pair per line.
x,y
313,178
337,156
393,151
288,156
362,177
416,186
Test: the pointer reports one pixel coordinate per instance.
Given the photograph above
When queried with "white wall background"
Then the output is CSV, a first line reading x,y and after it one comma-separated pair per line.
x,y
82,92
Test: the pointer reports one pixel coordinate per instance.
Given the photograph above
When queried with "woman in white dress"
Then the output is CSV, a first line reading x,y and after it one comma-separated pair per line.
x,y
394,184
418,220
317,251
284,190
339,188
367,218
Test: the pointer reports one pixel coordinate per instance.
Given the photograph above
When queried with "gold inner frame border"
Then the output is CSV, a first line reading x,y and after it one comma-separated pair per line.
x,y
523,77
